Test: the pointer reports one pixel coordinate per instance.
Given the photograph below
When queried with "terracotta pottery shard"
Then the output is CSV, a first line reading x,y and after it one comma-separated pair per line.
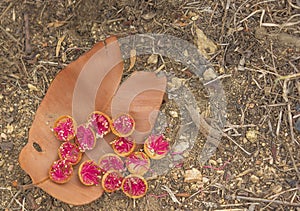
x,y
57,102
86,85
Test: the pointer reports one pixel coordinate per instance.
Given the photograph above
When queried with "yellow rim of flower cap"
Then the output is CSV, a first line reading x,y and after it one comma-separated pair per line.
x,y
79,174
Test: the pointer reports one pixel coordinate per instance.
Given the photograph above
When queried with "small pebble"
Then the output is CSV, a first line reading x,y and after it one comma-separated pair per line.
x,y
192,175
251,135
254,179
174,114
10,168
1,163
39,200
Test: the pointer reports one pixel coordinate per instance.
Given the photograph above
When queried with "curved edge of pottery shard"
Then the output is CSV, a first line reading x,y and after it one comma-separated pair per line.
x,y
57,102
141,96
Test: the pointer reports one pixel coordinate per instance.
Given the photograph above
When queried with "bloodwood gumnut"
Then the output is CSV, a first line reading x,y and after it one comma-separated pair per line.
x,y
134,186
123,146
123,125
100,122
138,163
111,161
61,171
89,173
112,181
156,146
70,152
85,138
64,128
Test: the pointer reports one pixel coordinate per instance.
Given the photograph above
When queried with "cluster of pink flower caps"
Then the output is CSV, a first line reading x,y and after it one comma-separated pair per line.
x,y
110,169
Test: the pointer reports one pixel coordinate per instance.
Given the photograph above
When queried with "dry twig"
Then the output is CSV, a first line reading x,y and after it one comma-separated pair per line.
x,y
267,201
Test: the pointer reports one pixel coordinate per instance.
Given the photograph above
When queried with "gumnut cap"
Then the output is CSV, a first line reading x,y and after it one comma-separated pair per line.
x,y
156,146
89,173
138,163
134,186
123,146
85,138
110,162
61,171
70,152
65,128
112,181
100,123
123,125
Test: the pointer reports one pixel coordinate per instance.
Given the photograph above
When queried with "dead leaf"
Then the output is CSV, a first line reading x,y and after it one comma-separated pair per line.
x,y
60,40
204,44
56,24
132,59
57,103
140,95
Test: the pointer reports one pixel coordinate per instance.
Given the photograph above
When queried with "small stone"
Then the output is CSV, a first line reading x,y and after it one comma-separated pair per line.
x,y
9,128
205,180
39,200
2,163
1,97
153,59
4,136
192,175
251,135
209,74
174,114
10,168
254,179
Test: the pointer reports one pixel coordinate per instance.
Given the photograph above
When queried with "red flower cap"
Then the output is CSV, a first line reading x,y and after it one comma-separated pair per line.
x,y
134,186
61,171
123,146
100,122
112,181
85,138
156,146
123,125
138,163
89,173
70,152
65,128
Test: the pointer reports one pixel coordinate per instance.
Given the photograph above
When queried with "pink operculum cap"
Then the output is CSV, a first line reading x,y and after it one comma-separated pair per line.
x,y
64,128
100,123
156,145
70,152
138,163
89,173
61,171
123,146
111,161
85,138
112,181
123,125
134,186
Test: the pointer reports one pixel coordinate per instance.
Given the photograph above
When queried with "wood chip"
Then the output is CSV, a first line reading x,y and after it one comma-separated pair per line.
x,y
204,44
58,46
56,24
132,59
